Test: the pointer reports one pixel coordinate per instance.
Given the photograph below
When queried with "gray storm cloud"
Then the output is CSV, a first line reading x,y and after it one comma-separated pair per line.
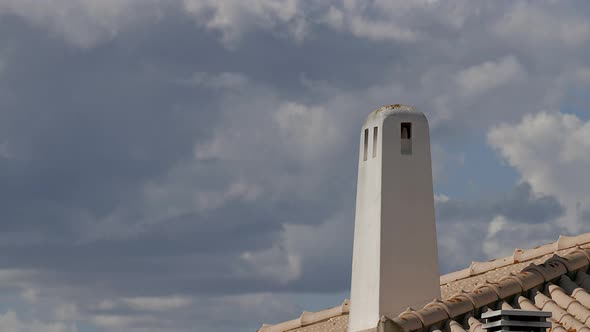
x,y
165,162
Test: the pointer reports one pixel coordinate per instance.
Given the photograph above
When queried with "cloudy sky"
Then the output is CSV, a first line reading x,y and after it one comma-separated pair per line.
x,y
190,165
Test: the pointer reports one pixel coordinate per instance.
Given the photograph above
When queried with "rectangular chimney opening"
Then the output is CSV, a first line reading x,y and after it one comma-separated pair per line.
x,y
406,138
366,144
375,134
406,130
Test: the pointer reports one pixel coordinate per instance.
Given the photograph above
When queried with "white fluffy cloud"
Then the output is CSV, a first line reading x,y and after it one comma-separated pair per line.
x,y
393,21
158,303
82,22
273,264
503,236
551,151
380,30
121,322
10,322
236,17
86,22
310,130
478,79
223,80
527,24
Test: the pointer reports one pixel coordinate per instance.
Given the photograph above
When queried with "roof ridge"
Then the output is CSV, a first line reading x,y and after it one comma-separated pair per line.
x,y
486,294
531,276
308,318
519,256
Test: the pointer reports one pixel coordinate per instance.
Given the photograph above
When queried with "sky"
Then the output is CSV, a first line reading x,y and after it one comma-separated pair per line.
x,y
190,165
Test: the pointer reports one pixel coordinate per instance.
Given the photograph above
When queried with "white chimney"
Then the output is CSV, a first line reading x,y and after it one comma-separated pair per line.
x,y
395,259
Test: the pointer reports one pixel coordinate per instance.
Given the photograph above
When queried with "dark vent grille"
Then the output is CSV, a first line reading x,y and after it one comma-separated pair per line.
x,y
516,320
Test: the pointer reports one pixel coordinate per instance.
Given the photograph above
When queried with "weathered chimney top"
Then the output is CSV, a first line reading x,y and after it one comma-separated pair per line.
x,y
385,111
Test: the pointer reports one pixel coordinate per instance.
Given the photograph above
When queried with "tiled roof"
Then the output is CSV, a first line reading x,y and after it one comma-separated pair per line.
x,y
552,277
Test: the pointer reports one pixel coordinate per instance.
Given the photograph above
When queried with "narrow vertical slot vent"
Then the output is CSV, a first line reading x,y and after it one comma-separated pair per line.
x,y
375,135
406,138
366,144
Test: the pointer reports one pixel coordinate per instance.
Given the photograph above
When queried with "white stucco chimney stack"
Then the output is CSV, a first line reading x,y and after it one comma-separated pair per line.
x,y
395,259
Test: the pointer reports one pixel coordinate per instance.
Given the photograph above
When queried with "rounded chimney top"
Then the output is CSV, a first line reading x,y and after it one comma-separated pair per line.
x,y
385,111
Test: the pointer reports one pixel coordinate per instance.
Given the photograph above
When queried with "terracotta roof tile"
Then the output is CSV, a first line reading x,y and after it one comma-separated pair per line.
x,y
551,277
583,280
455,327
333,319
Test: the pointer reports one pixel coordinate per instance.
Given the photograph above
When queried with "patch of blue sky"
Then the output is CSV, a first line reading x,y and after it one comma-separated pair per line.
x,y
577,102
482,173
11,302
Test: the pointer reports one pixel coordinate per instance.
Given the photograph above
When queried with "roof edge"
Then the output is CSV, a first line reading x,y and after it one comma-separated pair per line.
x,y
308,318
461,303
519,256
